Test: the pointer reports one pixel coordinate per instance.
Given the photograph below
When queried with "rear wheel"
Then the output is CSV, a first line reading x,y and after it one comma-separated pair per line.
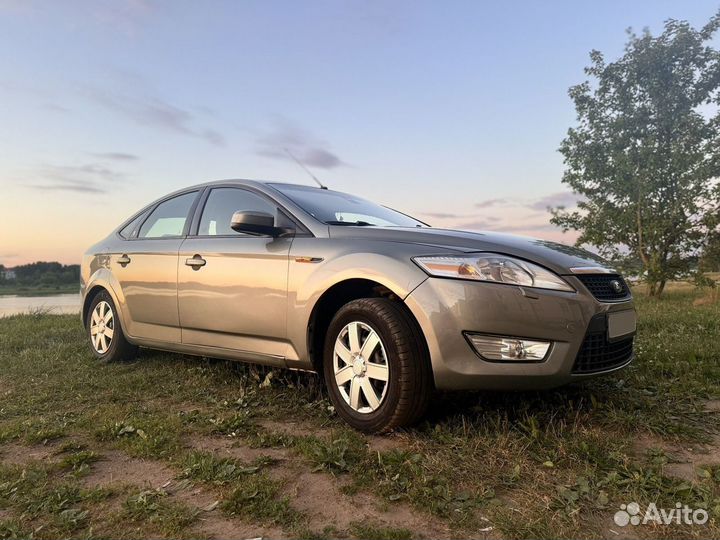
x,y
375,366
107,340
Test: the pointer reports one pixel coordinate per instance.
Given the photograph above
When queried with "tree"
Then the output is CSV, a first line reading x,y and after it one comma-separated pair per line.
x,y
644,156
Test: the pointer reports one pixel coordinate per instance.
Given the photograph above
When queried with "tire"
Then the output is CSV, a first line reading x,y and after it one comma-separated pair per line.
x,y
400,355
105,335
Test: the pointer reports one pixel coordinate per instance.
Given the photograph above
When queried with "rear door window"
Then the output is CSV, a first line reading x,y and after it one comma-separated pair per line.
x,y
169,217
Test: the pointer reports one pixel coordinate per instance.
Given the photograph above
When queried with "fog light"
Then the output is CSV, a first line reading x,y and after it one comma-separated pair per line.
x,y
499,348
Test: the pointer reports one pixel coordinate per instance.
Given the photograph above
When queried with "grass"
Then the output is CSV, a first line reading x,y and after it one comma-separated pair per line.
x,y
207,467
530,464
57,506
259,499
151,510
376,532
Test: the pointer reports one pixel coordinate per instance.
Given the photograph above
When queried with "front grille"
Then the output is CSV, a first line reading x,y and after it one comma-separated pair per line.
x,y
606,287
597,353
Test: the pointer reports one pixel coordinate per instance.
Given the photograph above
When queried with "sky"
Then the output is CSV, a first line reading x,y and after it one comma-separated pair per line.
x,y
449,111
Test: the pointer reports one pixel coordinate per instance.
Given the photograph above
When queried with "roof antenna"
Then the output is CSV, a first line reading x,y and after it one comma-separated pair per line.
x,y
296,160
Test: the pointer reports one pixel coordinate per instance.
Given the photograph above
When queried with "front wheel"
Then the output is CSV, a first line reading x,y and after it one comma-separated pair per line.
x,y
376,367
107,340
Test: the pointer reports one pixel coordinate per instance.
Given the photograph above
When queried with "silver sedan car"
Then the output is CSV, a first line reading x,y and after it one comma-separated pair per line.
x,y
385,308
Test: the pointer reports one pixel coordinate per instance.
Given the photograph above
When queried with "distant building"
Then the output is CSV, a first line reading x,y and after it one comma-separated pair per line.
x,y
9,274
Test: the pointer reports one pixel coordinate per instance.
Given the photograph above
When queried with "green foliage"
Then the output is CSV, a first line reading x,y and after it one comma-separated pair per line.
x,y
152,507
258,498
643,157
157,438
39,276
33,492
79,462
710,258
207,467
337,455
377,532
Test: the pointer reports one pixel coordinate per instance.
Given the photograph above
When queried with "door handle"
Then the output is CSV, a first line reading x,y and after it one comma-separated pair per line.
x,y
123,260
196,262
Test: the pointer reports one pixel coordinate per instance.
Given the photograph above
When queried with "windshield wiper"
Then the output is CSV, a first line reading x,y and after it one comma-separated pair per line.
x,y
358,223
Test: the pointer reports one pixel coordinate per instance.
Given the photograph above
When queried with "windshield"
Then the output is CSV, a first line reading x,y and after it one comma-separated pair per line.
x,y
335,208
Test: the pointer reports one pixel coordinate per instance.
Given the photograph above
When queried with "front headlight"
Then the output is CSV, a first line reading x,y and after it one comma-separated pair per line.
x,y
493,267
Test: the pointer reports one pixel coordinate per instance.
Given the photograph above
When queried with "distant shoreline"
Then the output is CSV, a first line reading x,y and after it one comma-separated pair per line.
x,y
39,291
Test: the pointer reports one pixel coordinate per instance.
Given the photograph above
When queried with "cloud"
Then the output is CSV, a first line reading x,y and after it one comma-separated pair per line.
x,y
443,215
116,156
154,112
490,202
89,178
512,215
71,185
54,107
481,224
526,225
303,145
562,198
319,157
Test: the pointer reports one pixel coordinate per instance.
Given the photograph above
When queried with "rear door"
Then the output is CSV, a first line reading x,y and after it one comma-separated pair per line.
x,y
147,270
232,287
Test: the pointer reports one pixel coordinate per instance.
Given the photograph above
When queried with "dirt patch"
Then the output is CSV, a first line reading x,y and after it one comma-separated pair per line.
x,y
214,525
385,443
319,496
18,454
296,429
118,469
713,405
232,448
685,459
611,531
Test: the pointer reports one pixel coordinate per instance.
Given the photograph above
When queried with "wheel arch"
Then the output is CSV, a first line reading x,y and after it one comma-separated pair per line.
x,y
89,297
337,296
101,282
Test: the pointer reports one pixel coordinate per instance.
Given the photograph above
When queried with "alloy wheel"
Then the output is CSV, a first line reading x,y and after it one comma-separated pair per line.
x,y
102,327
361,368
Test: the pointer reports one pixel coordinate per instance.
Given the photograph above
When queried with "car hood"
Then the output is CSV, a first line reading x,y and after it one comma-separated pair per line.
x,y
555,256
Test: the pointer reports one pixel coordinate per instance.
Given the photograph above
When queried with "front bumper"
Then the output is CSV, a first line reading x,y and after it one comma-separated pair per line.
x,y
445,308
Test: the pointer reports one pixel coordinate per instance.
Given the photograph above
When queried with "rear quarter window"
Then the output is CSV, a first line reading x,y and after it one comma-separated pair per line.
x,y
131,229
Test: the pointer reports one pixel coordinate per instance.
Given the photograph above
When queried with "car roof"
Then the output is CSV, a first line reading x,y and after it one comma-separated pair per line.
x,y
252,182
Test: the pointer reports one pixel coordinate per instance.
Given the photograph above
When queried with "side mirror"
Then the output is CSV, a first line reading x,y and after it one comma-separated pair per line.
x,y
257,223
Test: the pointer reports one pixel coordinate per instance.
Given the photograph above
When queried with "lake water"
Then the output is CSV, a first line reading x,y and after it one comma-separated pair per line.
x,y
56,304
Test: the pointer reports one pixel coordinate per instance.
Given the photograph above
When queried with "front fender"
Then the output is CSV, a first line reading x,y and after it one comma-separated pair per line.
x,y
389,264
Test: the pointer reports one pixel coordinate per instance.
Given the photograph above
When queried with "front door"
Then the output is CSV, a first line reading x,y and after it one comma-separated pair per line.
x,y
232,287
146,268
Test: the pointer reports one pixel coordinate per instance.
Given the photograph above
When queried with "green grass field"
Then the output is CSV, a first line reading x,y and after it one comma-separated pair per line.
x,y
173,446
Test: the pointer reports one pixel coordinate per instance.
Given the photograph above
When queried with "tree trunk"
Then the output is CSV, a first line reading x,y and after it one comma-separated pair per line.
x,y
661,287
652,288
